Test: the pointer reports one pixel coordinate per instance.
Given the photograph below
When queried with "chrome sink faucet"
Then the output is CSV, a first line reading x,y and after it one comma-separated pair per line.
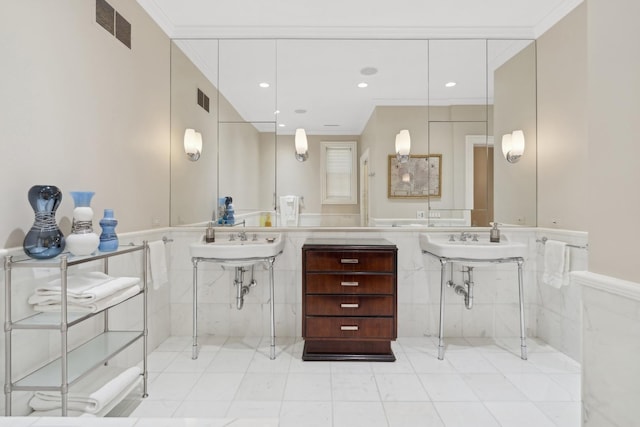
x,y
242,235
464,236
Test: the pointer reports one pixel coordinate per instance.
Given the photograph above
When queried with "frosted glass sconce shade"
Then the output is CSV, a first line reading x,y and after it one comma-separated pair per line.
x,y
192,144
513,146
301,145
403,146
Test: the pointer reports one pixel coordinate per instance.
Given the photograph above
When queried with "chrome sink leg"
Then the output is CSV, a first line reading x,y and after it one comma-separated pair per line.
x,y
443,283
194,348
272,354
523,338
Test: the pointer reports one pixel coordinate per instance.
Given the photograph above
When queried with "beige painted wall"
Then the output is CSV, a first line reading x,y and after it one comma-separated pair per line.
x,y
194,185
613,205
240,165
83,112
563,148
515,108
235,157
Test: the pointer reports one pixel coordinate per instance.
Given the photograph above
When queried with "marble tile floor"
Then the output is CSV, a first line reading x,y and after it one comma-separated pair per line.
x,y
481,383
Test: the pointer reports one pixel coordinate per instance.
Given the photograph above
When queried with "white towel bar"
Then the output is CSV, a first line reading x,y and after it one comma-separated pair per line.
x,y
585,247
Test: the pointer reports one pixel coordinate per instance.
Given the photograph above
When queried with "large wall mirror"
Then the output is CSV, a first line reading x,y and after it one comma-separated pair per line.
x,y
456,98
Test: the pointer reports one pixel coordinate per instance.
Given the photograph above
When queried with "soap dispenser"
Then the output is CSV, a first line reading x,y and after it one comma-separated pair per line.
x,y
494,235
210,235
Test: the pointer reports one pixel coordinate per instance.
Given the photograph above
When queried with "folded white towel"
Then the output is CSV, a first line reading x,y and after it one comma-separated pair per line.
x,y
93,306
556,264
108,286
92,393
158,264
57,413
76,283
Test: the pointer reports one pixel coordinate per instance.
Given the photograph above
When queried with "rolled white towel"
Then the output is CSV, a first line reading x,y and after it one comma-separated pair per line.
x,y
92,393
93,306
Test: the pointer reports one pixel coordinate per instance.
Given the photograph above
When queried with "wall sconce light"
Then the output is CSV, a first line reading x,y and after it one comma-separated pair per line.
x,y
192,144
301,145
403,146
513,146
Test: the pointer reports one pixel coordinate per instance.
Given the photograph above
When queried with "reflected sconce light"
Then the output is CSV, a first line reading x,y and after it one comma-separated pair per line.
x,y
513,146
403,146
301,145
192,144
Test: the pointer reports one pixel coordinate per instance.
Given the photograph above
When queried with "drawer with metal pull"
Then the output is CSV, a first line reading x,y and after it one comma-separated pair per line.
x,y
350,327
349,261
321,283
339,305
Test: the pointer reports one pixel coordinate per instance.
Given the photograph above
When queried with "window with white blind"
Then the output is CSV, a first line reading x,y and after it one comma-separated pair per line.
x,y
338,168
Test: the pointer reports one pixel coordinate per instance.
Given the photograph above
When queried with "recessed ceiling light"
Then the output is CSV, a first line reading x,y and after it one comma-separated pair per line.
x,y
276,112
369,71
281,125
450,84
363,84
264,85
300,111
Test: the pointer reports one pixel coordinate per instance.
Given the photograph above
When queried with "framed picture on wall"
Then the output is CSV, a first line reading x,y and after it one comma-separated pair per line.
x,y
419,178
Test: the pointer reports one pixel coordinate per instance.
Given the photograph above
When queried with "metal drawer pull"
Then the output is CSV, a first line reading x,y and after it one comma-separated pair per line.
x,y
347,305
349,261
348,328
348,283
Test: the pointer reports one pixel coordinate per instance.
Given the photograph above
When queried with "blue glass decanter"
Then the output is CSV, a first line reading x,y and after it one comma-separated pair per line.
x,y
45,240
108,237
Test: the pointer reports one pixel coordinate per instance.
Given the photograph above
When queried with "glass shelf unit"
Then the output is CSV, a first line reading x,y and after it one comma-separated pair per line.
x,y
72,364
81,361
52,320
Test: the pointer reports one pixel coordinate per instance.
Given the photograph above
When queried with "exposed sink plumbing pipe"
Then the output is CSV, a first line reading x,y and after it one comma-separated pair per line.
x,y
465,289
241,289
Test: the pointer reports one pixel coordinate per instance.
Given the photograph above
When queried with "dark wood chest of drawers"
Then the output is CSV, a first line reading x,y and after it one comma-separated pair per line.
x,y
349,299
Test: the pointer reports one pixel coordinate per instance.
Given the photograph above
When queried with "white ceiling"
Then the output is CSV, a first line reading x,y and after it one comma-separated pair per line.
x,y
319,74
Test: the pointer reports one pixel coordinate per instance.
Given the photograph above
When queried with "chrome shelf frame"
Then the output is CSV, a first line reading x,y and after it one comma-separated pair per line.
x,y
73,364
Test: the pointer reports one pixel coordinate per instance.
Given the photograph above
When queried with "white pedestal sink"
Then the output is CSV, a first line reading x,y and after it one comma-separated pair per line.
x,y
442,245
239,250
472,251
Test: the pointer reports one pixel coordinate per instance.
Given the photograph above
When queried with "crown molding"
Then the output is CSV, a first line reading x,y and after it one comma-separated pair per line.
x,y
341,32
553,17
157,14
356,32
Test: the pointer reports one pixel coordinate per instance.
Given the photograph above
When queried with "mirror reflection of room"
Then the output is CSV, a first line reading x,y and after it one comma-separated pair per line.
x,y
454,97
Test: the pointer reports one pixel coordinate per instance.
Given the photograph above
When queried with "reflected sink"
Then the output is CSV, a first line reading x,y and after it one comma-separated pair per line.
x,y
238,253
439,244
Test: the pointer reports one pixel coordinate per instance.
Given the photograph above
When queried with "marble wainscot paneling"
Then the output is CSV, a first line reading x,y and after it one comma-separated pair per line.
x,y
495,312
611,345
558,313
31,349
